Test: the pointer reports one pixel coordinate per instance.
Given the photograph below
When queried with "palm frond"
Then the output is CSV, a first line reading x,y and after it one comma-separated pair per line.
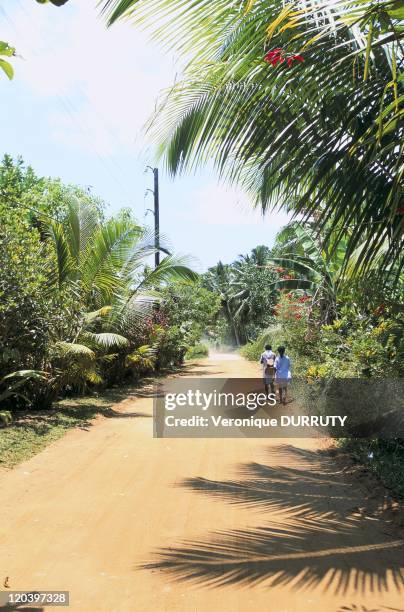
x,y
74,349
171,268
105,340
314,136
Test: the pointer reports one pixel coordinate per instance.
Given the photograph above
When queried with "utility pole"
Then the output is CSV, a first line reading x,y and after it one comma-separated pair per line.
x,y
156,213
156,216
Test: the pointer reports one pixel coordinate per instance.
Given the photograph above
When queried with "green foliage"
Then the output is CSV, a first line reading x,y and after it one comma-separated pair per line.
x,y
197,351
11,385
141,361
253,292
31,196
76,296
359,346
247,295
192,308
32,314
171,347
384,458
304,263
5,418
323,135
102,261
6,51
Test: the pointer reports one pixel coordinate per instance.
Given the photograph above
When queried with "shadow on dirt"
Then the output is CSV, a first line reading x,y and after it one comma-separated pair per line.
x,y
321,536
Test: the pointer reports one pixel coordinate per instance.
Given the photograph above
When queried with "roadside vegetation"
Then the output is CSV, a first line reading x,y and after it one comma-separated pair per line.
x,y
80,307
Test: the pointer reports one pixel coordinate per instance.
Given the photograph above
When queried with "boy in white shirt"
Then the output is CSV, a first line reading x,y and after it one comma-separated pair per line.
x,y
268,370
282,373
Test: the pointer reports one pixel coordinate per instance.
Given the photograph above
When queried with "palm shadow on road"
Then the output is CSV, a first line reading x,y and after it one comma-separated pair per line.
x,y
319,538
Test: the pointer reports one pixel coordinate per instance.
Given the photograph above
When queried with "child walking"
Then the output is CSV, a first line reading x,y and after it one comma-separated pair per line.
x,y
282,374
268,368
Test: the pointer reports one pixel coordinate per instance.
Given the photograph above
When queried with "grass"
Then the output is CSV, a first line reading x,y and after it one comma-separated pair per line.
x,y
384,458
31,432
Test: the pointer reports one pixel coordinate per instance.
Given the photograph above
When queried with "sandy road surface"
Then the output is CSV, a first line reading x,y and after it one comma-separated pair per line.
x,y
127,522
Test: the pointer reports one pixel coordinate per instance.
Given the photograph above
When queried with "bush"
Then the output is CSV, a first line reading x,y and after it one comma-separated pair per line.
x,y
355,346
5,418
384,458
141,361
199,350
191,308
171,347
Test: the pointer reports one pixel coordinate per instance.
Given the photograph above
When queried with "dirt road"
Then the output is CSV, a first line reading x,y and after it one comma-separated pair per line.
x,y
127,522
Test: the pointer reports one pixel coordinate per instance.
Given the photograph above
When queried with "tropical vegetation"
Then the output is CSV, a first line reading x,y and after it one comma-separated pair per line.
x,y
298,103
79,302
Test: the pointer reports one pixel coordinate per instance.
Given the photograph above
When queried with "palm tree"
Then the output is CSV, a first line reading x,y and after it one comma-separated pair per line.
x,y
104,263
320,136
218,279
253,293
247,292
106,260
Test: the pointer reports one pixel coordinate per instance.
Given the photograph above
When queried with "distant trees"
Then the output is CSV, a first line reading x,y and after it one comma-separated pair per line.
x,y
247,294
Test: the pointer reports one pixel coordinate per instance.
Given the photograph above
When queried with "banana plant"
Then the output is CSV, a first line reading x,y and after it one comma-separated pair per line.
x,y
306,265
12,384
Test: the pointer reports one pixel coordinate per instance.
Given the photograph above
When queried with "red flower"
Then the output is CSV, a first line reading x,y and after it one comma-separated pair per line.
x,y
292,58
278,56
400,210
274,56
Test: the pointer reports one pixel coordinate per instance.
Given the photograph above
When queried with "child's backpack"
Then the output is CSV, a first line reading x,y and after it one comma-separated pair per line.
x,y
270,366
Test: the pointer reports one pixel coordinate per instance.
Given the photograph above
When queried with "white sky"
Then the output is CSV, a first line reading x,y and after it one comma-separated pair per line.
x,y
76,109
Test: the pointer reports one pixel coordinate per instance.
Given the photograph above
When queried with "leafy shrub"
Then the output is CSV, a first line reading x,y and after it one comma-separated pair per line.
x,y
5,418
190,307
199,350
171,347
359,346
141,361
67,300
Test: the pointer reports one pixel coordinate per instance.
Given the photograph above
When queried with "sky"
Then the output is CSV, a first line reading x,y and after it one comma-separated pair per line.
x,y
76,109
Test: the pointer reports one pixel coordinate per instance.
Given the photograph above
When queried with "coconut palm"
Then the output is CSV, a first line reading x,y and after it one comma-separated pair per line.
x,y
218,279
253,292
247,291
320,136
106,259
